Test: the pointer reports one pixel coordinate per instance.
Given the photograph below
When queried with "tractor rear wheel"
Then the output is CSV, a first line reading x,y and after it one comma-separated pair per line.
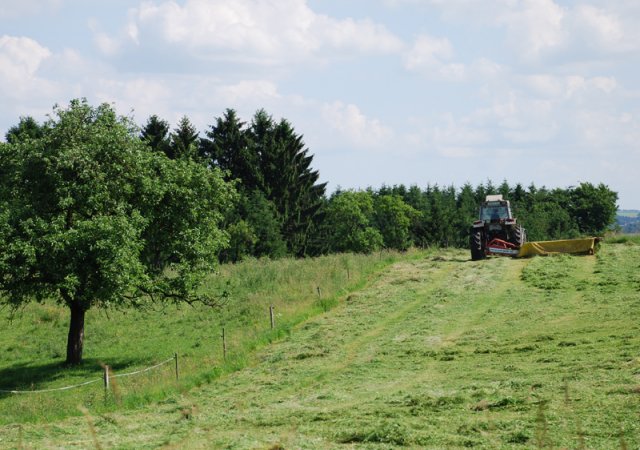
x,y
476,244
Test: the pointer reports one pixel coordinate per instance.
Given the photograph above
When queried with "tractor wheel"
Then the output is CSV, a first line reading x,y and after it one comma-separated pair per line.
x,y
476,243
520,235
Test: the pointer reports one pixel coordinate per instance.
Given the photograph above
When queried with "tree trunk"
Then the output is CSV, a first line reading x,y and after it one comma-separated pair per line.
x,y
76,334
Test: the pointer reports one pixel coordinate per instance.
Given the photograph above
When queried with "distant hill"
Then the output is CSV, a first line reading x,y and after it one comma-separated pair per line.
x,y
629,220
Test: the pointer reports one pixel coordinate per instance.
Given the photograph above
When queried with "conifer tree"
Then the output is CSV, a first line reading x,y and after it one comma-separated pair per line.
x,y
227,146
156,134
287,179
184,140
27,128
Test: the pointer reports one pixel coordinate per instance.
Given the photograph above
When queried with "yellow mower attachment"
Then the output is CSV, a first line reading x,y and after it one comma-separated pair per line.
x,y
574,246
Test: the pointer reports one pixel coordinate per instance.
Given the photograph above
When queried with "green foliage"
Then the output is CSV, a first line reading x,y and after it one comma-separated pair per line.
x,y
288,180
269,157
92,217
442,216
348,223
593,207
184,140
393,217
263,217
227,146
27,128
155,134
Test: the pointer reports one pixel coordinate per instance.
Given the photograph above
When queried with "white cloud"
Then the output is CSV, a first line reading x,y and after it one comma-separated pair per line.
x,y
600,28
607,133
20,60
105,43
568,87
143,94
253,91
21,56
535,28
350,122
254,30
429,55
450,137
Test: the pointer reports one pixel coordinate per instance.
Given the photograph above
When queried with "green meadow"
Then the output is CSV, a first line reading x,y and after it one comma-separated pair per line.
x,y
420,350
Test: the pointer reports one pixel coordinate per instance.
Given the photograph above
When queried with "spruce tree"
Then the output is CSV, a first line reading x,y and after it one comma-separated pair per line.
x,y
27,128
156,135
184,140
227,146
287,179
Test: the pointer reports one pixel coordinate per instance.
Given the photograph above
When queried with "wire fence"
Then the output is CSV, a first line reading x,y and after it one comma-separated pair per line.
x,y
108,375
105,379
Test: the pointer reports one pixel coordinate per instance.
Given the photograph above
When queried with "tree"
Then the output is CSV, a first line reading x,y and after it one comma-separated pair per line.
x,y
262,215
91,217
270,157
184,140
594,207
417,199
467,213
156,134
227,146
253,229
393,218
287,179
348,223
26,129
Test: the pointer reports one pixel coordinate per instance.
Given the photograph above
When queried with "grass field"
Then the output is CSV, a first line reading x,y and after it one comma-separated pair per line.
x,y
437,352
33,341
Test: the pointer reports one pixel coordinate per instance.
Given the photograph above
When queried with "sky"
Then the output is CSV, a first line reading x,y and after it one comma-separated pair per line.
x,y
384,91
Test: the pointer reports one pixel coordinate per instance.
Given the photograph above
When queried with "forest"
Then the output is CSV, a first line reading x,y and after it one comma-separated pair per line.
x,y
281,209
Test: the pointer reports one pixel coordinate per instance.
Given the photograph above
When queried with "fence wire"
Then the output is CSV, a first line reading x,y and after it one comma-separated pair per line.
x,y
65,388
52,389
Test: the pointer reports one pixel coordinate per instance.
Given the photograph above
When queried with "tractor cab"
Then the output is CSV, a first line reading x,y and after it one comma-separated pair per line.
x,y
495,209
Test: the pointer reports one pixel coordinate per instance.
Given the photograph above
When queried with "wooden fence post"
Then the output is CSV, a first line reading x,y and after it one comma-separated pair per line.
x,y
319,294
175,355
272,317
224,345
105,378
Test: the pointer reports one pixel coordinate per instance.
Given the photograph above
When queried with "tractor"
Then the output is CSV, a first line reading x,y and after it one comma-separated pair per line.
x,y
496,231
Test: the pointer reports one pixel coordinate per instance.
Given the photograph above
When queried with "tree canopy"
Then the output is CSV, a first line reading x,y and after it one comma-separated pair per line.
x,y
91,217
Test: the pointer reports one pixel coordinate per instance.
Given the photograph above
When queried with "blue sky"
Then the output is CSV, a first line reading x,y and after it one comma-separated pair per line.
x,y
384,91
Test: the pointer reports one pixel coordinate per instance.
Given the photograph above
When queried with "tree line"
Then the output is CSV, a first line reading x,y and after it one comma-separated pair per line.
x,y
281,208
96,211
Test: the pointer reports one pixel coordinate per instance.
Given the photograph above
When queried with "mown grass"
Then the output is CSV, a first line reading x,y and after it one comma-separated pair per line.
x,y
33,340
438,352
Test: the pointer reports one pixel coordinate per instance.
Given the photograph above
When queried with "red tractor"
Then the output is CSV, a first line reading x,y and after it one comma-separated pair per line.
x,y
496,231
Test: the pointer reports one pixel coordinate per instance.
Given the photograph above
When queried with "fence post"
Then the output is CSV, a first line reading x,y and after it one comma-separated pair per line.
x,y
105,378
319,294
272,317
224,345
175,355
348,274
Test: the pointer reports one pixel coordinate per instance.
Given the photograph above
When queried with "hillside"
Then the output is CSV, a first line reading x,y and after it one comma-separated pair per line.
x,y
628,220
439,352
